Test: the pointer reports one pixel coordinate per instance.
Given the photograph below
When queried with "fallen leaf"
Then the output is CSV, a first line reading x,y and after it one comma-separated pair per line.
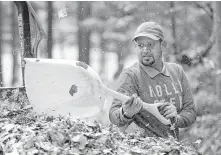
x,y
57,137
8,127
32,151
81,139
106,151
28,144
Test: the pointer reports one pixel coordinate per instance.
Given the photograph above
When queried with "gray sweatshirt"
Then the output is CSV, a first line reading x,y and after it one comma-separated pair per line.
x,y
169,85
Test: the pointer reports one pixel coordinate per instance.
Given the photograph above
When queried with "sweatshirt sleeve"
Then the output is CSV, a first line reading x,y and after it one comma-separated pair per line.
x,y
125,85
187,116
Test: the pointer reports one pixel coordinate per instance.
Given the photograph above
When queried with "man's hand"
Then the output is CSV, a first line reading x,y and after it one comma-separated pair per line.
x,y
168,111
132,106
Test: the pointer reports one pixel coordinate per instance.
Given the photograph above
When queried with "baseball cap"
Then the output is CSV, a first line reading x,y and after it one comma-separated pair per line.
x,y
149,29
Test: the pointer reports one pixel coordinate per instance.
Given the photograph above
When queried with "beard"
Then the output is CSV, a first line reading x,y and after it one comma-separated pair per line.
x,y
148,60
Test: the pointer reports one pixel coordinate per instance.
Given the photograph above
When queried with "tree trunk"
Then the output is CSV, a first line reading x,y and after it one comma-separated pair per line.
x,y
173,26
15,51
50,31
120,58
218,45
84,11
1,43
24,33
103,56
62,45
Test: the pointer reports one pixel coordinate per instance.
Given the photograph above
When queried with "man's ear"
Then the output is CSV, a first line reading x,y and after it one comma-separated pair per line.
x,y
164,44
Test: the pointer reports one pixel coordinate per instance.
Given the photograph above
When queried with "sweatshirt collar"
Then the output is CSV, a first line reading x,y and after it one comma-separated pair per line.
x,y
152,72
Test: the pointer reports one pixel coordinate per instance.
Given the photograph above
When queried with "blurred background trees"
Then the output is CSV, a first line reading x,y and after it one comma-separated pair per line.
x,y
97,29
218,45
1,30
49,29
99,33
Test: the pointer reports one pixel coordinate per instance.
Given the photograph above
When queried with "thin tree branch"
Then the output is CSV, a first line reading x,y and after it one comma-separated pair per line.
x,y
201,51
208,10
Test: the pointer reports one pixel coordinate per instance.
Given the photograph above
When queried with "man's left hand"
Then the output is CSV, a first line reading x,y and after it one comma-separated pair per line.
x,y
169,111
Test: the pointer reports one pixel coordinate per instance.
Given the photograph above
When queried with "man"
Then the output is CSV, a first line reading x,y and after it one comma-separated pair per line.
x,y
152,80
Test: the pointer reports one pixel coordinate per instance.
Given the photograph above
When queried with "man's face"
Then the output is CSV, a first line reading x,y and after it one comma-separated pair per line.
x,y
148,50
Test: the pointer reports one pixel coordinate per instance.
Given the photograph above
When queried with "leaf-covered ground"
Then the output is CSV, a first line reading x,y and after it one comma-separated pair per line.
x,y
22,132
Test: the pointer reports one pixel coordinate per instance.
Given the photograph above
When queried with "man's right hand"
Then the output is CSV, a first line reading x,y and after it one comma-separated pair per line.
x,y
161,108
132,106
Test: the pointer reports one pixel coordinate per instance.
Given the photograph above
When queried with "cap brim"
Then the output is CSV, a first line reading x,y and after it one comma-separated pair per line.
x,y
146,35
